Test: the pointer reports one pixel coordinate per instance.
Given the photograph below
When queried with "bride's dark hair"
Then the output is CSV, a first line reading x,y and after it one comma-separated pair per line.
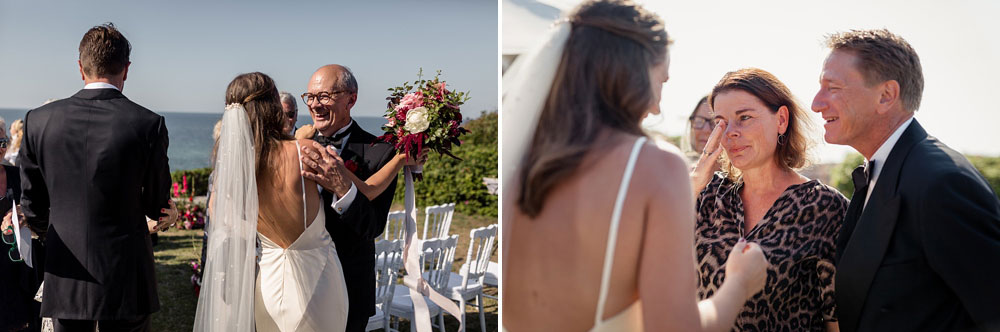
x,y
259,96
602,83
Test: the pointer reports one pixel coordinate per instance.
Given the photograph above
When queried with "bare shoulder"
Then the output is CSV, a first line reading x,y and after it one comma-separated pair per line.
x,y
661,162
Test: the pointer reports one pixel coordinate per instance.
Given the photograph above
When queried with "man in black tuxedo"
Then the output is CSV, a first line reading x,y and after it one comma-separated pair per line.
x,y
352,219
919,247
93,166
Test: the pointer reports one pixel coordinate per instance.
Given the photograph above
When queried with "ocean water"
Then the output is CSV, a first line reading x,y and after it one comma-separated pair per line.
x,y
191,134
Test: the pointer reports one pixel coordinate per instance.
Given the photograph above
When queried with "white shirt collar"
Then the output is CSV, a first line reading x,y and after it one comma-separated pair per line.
x,y
100,85
882,153
348,126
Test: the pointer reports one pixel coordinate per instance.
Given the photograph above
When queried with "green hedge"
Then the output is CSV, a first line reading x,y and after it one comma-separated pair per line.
x,y
840,176
447,180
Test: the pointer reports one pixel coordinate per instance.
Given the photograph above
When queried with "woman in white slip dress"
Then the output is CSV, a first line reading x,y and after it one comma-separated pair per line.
x,y
259,194
583,183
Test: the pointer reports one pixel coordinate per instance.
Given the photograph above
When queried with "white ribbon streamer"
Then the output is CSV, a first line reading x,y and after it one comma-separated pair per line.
x,y
22,235
411,261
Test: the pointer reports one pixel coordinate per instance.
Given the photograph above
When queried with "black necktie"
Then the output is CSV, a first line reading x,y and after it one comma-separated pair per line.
x,y
337,140
861,178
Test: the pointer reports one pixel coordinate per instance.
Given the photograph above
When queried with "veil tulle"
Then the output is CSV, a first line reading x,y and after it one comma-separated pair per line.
x,y
227,294
525,89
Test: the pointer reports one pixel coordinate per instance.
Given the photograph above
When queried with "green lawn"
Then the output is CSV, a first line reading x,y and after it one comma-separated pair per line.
x,y
177,248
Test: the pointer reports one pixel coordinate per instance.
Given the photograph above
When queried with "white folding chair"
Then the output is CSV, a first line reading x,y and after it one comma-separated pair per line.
x,y
469,285
435,265
395,226
388,259
437,220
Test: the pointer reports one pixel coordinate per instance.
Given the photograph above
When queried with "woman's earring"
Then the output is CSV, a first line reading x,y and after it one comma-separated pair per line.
x,y
781,139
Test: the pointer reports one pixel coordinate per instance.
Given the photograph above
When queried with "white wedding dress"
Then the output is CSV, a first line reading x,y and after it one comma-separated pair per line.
x,y
301,288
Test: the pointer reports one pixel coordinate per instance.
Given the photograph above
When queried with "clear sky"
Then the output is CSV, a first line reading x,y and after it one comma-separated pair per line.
x,y
958,43
184,53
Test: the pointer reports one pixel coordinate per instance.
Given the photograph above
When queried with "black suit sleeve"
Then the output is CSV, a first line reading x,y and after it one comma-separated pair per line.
x,y
368,217
156,184
34,193
960,221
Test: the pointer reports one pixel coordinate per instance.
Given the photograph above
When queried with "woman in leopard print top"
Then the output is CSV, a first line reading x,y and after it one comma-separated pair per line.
x,y
761,139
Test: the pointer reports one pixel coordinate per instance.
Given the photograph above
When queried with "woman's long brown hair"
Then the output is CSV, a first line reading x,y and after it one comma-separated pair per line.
x,y
259,96
602,83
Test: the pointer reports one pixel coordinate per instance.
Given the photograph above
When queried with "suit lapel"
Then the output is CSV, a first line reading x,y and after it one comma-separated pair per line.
x,y
356,150
867,240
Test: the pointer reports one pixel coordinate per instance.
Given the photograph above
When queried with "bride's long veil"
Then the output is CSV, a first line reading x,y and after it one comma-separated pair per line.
x,y
525,89
227,294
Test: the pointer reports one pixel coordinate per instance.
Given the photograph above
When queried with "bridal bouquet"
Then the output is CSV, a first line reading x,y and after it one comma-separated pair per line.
x,y
425,114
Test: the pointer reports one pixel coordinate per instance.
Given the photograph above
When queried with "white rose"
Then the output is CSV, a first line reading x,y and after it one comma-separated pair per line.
x,y
416,120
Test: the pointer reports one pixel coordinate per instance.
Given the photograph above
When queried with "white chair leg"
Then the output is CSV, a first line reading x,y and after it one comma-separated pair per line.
x,y
461,318
482,314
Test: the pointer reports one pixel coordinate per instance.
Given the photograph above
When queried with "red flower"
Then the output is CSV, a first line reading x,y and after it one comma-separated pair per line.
x,y
351,166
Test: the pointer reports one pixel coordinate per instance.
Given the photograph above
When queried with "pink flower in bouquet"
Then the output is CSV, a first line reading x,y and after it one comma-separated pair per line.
x,y
177,189
392,121
441,91
410,101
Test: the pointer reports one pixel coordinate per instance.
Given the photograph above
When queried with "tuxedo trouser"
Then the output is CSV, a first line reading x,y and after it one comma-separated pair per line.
x,y
143,324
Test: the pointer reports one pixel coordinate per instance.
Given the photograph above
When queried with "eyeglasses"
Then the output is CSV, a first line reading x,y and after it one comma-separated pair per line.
x,y
290,114
13,254
325,98
3,142
699,122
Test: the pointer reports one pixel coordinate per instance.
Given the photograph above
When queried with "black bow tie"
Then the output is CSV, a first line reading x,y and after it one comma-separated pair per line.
x,y
337,140
862,176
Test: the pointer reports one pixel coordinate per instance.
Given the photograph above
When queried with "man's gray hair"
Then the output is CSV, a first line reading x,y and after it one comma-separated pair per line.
x,y
347,81
289,98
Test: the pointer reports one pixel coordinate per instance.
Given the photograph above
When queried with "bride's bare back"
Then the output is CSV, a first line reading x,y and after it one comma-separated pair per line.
x,y
280,196
555,260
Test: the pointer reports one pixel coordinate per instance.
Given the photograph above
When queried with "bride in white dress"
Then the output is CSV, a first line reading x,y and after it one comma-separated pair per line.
x,y
298,284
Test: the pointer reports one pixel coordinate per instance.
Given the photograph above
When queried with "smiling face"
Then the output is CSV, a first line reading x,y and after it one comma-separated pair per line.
x,y
845,101
327,119
751,136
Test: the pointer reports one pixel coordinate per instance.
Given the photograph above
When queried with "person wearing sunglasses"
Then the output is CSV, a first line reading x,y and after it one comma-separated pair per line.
x,y
289,112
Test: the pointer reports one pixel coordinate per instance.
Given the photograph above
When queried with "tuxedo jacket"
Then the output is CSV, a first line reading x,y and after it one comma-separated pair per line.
x,y
924,254
354,232
93,166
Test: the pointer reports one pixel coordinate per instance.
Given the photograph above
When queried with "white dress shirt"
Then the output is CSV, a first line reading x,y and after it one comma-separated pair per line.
x,y
882,154
100,85
343,203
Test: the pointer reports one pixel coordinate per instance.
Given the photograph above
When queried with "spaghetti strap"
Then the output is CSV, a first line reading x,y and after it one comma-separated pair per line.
x,y
616,215
302,182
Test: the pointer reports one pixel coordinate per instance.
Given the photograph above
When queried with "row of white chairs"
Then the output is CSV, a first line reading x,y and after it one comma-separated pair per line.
x,y
437,222
438,255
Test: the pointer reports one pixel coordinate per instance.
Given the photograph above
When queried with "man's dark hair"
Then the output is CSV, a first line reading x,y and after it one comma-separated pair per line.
x,y
104,51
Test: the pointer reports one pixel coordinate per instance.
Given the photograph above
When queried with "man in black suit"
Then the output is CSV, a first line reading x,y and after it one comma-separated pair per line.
x,y
93,166
921,240
352,219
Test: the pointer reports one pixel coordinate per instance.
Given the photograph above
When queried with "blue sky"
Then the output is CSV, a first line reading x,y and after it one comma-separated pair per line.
x,y
184,53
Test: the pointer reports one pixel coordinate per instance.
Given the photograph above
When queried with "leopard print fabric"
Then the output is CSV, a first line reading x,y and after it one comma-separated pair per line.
x,y
798,236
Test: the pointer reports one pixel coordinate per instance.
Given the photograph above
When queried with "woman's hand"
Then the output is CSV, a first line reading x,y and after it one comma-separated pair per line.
x,y
170,218
420,160
8,220
709,160
746,268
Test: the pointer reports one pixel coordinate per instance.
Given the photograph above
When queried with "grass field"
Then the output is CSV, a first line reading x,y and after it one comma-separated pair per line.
x,y
177,248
